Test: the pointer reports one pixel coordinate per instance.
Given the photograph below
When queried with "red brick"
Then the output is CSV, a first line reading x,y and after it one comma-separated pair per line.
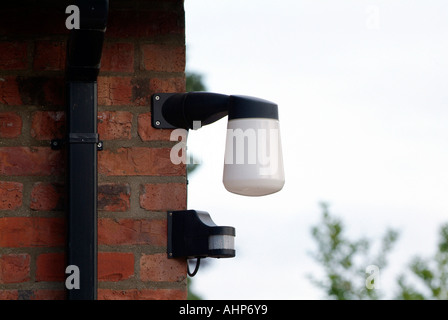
x,y
40,86
144,88
138,161
115,266
13,55
122,24
114,197
9,294
41,90
14,268
161,23
27,294
118,57
144,24
163,57
47,125
114,91
147,132
142,294
10,125
50,267
37,19
163,196
48,295
157,267
32,232
35,161
167,85
49,55
114,125
9,91
132,232
10,195
47,197
141,94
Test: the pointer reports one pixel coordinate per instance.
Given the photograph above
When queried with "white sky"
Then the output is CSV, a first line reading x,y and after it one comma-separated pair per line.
x,y
362,94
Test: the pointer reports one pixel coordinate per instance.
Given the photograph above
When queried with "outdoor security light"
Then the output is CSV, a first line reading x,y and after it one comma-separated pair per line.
x,y
253,162
193,234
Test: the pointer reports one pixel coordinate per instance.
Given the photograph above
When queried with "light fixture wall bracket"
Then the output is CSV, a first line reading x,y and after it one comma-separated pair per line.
x,y
157,118
180,110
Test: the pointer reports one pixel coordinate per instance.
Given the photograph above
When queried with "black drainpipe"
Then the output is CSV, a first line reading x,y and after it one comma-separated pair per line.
x,y
83,64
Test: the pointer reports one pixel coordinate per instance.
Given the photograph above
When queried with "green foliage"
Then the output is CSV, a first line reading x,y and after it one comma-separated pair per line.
x,y
194,82
191,295
344,261
430,274
191,167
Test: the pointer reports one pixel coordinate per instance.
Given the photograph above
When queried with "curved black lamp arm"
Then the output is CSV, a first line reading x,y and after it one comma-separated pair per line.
x,y
179,110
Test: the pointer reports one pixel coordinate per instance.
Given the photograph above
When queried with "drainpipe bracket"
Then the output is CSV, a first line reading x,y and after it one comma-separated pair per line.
x,y
58,144
83,138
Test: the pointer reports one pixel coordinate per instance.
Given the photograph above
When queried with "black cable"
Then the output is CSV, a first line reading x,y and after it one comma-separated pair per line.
x,y
198,262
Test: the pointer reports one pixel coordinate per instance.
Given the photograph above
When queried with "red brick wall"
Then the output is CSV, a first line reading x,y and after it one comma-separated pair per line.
x,y
144,53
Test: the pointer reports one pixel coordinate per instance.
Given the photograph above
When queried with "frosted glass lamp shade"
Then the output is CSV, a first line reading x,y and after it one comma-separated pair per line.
x,y
253,162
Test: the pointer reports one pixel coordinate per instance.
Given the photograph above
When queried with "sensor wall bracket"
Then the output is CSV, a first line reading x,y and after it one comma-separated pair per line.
x,y
193,234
